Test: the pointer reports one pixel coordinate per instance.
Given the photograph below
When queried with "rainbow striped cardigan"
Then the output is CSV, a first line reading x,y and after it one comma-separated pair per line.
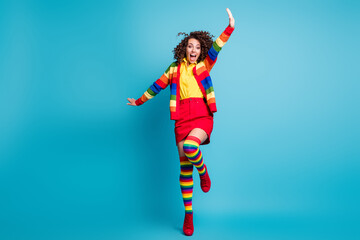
x,y
201,73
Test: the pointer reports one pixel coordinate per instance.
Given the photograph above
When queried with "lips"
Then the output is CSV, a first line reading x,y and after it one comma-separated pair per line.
x,y
192,57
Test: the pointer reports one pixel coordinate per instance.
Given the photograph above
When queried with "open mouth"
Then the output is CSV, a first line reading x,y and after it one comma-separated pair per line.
x,y
193,57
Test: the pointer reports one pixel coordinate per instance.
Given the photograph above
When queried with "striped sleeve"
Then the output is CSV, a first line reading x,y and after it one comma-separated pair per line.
x,y
155,88
213,52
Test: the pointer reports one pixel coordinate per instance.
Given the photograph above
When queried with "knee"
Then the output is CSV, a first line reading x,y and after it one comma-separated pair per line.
x,y
191,145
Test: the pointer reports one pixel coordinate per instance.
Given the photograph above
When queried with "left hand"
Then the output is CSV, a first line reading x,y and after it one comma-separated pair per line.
x,y
231,19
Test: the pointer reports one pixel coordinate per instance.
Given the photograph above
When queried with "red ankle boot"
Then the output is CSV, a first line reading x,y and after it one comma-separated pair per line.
x,y
205,181
188,227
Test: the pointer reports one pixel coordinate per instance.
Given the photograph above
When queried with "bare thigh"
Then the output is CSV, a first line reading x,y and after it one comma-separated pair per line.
x,y
197,132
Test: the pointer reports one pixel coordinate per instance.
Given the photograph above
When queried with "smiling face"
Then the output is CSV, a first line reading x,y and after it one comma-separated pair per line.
x,y
193,50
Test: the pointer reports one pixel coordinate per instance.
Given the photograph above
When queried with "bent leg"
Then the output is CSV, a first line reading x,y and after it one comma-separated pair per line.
x,y
192,151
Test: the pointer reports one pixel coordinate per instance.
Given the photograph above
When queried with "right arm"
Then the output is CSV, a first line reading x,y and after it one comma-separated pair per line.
x,y
153,90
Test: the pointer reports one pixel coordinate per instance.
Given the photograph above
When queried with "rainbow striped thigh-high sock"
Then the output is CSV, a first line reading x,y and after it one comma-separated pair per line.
x,y
186,183
193,153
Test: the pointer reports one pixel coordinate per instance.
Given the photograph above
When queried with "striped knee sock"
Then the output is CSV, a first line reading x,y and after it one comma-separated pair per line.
x,y
186,183
193,153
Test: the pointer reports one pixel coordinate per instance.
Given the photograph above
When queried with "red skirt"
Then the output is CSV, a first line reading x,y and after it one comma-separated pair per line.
x,y
194,113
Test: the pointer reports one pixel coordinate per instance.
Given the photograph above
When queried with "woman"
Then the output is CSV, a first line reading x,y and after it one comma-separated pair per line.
x,y
192,104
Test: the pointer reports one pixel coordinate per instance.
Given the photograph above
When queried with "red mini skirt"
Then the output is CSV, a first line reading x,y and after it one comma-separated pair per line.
x,y
194,113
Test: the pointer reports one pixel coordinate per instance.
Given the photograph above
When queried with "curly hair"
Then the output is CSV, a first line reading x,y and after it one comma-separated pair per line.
x,y
205,39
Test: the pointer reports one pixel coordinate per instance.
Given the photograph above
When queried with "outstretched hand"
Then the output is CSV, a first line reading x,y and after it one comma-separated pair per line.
x,y
231,19
131,102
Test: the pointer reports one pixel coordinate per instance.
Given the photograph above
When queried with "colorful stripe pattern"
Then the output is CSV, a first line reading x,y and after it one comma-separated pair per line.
x,y
156,87
186,183
216,47
193,153
201,73
203,77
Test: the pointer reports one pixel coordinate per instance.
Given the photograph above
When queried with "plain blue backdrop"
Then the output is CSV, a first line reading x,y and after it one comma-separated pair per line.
x,y
77,163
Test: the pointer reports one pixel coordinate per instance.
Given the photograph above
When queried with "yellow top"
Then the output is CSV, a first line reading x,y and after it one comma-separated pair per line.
x,y
189,88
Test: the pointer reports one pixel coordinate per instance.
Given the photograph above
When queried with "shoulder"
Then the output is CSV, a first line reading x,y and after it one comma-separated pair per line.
x,y
200,67
171,68
174,64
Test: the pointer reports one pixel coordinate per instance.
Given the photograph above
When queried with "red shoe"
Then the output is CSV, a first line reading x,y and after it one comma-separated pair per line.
x,y
205,181
188,227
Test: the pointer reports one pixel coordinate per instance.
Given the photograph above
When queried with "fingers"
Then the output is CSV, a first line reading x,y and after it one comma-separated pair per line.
x,y
131,101
231,18
229,13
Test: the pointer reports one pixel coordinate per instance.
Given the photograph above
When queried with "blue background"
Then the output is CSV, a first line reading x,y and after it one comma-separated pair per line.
x,y
77,163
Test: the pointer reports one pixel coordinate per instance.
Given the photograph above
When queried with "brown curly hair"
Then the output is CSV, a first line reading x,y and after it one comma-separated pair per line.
x,y
205,39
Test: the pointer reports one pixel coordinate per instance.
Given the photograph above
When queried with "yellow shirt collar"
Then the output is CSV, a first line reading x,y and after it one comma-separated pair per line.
x,y
186,61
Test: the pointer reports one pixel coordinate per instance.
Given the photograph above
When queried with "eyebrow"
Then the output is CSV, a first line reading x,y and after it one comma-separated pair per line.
x,y
193,44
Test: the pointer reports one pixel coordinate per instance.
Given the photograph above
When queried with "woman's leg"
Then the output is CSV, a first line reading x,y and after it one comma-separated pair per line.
x,y
194,155
192,151
186,179
186,185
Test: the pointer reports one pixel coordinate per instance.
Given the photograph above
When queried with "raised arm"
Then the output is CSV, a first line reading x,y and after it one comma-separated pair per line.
x,y
153,90
211,57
